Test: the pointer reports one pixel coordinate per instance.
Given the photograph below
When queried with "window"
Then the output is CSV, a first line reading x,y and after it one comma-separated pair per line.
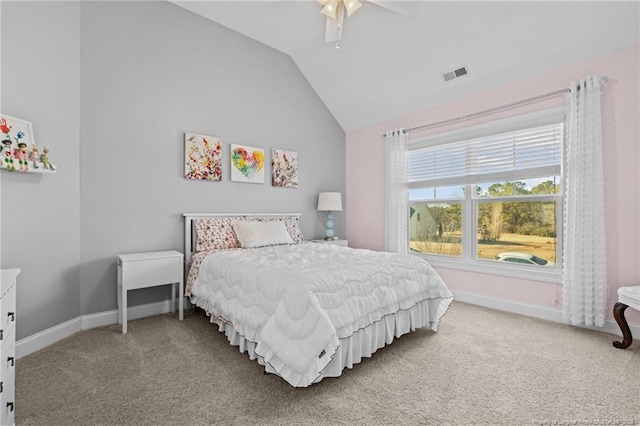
x,y
494,198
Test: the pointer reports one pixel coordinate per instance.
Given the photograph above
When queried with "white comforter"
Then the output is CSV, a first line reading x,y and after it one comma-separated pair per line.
x,y
297,301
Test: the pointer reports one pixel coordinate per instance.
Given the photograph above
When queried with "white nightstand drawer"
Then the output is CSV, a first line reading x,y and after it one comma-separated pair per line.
x,y
151,272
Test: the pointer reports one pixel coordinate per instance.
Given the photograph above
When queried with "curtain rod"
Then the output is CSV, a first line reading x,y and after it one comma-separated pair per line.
x,y
603,80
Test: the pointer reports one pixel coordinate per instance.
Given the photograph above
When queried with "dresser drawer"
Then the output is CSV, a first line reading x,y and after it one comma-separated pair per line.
x,y
8,357
7,403
8,345
150,272
8,311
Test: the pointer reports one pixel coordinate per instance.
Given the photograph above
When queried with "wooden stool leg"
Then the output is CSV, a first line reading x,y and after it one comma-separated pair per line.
x,y
618,314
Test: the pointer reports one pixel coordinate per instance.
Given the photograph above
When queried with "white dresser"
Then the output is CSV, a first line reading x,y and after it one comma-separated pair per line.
x,y
8,345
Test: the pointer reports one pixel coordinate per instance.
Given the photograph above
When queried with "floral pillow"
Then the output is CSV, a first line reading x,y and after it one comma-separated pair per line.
x,y
215,234
292,223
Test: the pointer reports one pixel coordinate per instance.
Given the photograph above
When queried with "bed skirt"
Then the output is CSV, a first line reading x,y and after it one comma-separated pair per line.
x,y
363,342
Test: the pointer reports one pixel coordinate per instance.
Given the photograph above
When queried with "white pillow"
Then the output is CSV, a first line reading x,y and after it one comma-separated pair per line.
x,y
253,234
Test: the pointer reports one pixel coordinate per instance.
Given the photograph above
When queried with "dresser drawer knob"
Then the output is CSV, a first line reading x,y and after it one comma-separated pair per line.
x,y
1,387
1,334
12,360
10,406
12,315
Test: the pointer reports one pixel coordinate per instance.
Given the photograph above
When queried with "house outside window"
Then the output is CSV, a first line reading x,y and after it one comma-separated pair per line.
x,y
489,198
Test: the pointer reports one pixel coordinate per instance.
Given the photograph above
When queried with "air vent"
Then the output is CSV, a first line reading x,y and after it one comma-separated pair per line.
x,y
455,74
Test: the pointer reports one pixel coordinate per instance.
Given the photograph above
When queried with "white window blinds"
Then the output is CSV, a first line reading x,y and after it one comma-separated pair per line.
x,y
522,154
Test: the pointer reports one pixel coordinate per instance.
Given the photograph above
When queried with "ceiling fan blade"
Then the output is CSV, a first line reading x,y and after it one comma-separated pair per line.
x,y
334,26
401,7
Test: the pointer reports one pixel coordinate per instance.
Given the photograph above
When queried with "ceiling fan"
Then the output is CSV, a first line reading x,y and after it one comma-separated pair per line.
x,y
336,9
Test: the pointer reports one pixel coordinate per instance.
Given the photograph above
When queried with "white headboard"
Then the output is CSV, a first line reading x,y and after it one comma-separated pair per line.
x,y
189,233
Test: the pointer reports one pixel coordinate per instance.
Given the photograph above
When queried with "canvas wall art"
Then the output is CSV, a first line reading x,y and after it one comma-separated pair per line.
x,y
284,168
203,157
247,164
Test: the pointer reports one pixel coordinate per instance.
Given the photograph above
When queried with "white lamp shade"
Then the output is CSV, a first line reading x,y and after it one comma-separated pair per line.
x,y
330,202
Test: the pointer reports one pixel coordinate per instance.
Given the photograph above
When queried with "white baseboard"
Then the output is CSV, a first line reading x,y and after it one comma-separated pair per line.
x,y
47,337
134,312
540,312
51,335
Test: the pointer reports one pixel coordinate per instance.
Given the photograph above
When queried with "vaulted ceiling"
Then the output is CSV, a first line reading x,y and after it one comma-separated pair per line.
x,y
391,62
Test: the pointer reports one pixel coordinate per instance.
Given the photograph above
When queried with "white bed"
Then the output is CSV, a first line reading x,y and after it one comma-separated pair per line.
x,y
303,310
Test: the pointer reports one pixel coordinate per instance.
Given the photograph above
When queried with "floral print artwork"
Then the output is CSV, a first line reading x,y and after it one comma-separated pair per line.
x,y
247,164
203,157
284,168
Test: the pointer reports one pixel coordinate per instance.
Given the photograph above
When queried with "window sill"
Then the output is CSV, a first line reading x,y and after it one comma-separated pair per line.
x,y
552,275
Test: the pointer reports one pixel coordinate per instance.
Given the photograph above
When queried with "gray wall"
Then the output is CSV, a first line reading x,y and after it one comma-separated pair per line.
x,y
148,72
41,213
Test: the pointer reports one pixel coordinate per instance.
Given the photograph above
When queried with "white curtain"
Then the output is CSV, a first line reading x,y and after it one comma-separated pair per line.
x,y
397,144
584,275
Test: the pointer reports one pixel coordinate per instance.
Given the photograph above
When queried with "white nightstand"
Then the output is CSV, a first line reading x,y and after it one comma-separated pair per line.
x,y
341,243
141,270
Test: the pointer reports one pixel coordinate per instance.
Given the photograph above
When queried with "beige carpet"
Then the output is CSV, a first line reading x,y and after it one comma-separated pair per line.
x,y
482,367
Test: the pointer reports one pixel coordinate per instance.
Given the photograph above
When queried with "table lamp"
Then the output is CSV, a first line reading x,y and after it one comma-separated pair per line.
x,y
329,202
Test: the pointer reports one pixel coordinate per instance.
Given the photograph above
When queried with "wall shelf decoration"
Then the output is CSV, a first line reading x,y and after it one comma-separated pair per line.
x,y
18,150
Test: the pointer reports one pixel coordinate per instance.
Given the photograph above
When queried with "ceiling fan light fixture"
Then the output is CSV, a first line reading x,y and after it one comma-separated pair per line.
x,y
330,9
351,6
